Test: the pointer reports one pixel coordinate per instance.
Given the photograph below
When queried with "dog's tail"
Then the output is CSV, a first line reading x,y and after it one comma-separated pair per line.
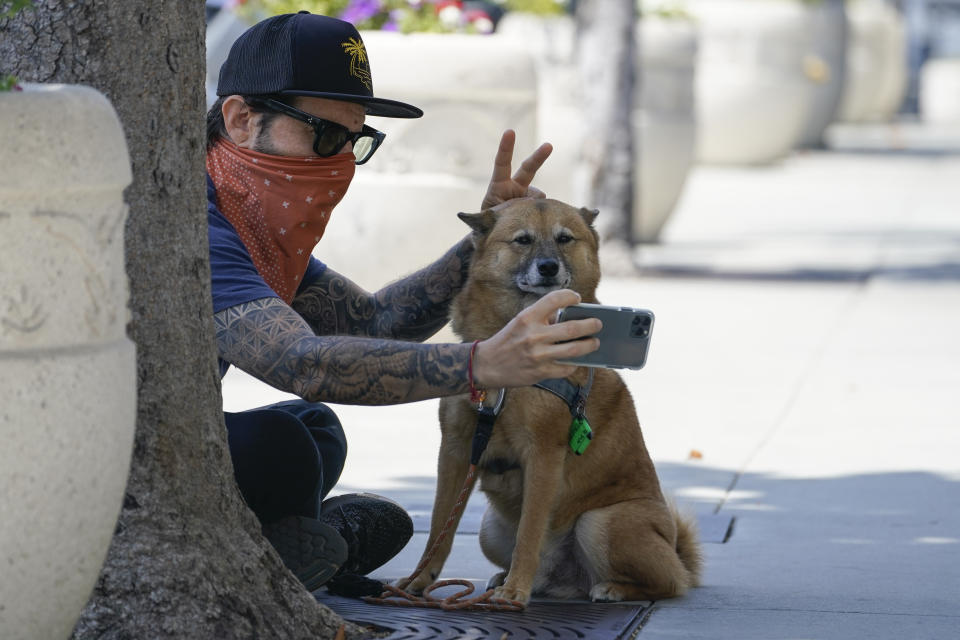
x,y
688,545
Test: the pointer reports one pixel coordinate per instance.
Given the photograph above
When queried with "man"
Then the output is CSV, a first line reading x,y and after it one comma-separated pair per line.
x,y
283,142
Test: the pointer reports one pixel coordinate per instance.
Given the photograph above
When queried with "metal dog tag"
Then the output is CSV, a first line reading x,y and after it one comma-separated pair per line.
x,y
580,435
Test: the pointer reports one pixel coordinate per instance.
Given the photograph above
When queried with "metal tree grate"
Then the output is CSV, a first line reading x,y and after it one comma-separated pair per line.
x,y
542,620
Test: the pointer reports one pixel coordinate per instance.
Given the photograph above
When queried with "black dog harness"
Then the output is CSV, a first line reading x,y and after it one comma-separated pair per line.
x,y
574,395
576,398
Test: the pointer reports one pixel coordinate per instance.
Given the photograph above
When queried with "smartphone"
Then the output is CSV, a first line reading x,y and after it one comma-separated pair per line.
x,y
624,338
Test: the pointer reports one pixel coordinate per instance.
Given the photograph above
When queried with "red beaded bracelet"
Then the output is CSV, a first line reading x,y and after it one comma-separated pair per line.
x,y
476,394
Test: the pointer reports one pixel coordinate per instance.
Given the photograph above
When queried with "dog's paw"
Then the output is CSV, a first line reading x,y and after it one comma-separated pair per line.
x,y
417,586
496,580
606,592
511,593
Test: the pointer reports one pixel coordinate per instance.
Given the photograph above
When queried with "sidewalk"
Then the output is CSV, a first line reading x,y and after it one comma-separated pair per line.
x,y
803,384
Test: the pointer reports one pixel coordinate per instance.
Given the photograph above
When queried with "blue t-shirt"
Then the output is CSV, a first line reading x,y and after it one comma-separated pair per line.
x,y
234,278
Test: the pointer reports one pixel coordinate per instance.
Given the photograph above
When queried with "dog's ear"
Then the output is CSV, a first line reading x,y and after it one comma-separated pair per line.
x,y
589,215
481,223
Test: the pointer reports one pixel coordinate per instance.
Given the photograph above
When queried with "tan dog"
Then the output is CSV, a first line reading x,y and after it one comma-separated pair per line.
x,y
560,525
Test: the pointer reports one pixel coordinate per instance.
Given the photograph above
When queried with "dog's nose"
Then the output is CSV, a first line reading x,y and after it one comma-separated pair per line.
x,y
548,267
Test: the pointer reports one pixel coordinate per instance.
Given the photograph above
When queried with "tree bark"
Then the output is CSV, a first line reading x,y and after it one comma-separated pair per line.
x,y
187,559
607,50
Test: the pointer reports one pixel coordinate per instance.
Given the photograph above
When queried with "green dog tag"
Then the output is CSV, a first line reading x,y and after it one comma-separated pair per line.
x,y
580,435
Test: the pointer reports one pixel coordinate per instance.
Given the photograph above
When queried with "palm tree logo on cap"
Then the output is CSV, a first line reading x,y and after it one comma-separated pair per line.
x,y
359,66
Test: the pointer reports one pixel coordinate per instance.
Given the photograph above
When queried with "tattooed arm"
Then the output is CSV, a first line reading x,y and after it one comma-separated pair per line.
x,y
269,340
413,308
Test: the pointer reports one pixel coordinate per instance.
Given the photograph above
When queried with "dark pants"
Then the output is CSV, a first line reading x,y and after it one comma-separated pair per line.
x,y
286,457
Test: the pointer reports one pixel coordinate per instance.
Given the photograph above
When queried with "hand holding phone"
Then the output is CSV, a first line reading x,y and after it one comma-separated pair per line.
x,y
624,338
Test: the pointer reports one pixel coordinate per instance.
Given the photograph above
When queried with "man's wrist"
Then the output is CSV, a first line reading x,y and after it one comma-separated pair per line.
x,y
477,391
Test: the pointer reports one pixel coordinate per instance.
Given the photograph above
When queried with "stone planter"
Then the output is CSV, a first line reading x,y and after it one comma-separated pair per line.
x,y
753,93
876,62
67,369
664,121
400,213
825,65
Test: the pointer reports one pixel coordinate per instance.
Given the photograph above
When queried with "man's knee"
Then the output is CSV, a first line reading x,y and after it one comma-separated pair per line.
x,y
276,462
326,430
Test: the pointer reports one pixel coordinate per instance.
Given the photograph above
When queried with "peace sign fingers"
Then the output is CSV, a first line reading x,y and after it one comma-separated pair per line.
x,y
504,186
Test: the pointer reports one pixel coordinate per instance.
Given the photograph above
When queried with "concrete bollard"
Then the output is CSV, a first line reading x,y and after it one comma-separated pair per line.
x,y
67,369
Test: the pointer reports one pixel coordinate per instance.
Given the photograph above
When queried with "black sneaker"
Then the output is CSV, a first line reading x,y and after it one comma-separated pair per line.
x,y
312,550
375,528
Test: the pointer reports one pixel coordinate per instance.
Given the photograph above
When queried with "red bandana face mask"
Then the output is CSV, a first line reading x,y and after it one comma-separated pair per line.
x,y
279,206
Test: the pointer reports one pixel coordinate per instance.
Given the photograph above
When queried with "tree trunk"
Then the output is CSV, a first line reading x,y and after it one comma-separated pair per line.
x,y
607,50
187,559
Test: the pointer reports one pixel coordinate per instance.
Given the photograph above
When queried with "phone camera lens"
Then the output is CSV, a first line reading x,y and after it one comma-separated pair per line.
x,y
640,327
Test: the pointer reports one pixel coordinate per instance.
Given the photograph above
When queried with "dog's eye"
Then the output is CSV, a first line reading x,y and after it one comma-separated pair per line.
x,y
523,239
564,238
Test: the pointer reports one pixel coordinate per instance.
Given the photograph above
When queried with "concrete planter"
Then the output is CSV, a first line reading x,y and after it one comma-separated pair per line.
x,y
401,211
876,62
67,369
664,120
753,93
825,65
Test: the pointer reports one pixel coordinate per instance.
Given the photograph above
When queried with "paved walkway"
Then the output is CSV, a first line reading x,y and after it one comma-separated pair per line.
x,y
803,382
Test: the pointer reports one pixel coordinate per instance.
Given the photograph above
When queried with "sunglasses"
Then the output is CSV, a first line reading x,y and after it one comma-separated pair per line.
x,y
329,137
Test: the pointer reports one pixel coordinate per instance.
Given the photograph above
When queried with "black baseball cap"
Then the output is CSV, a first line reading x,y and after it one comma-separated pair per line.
x,y
302,54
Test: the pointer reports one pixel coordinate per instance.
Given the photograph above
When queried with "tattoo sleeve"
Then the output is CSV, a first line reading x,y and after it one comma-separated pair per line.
x,y
413,308
269,340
